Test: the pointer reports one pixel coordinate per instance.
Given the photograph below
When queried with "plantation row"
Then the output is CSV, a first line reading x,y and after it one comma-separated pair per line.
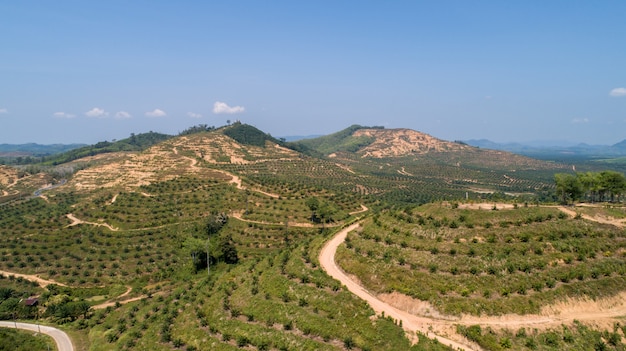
x,y
83,254
463,268
279,302
576,337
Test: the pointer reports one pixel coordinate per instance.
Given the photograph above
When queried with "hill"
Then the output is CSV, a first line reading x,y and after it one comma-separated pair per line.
x,y
454,169
378,142
371,162
621,145
210,240
31,153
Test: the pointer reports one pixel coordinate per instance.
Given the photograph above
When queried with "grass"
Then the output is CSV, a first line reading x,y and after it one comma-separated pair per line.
x,y
22,340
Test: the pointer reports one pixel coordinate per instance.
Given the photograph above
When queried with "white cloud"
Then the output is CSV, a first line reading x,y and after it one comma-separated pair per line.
x,y
156,113
96,112
580,120
194,115
222,107
63,115
3,110
618,92
122,115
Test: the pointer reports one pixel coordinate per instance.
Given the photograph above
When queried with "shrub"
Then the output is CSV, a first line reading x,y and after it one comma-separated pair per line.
x,y
348,342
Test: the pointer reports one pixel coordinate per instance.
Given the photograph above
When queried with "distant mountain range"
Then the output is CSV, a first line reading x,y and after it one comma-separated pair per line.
x,y
33,149
536,149
553,149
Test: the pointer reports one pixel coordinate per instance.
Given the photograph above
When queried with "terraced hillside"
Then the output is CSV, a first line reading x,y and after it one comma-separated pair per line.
x,y
209,241
510,268
413,167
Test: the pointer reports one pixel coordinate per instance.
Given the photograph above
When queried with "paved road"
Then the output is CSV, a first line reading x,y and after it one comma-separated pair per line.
x,y
64,343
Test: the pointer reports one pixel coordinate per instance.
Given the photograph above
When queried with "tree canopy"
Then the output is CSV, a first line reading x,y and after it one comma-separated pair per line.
x,y
591,186
205,251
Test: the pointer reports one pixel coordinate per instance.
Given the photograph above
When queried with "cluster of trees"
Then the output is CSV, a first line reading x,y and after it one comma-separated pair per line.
x,y
249,135
197,129
590,186
68,311
61,307
321,211
215,247
136,142
12,306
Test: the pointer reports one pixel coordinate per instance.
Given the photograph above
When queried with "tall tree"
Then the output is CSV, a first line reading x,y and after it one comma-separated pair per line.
x,y
590,182
568,187
313,204
613,183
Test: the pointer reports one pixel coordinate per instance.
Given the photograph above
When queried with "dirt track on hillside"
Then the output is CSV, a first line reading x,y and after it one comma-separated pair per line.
x,y
410,323
76,221
420,316
33,278
44,283
612,221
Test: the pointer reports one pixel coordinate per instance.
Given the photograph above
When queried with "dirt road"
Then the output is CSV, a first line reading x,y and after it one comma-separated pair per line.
x,y
63,341
616,222
76,221
602,313
33,278
410,323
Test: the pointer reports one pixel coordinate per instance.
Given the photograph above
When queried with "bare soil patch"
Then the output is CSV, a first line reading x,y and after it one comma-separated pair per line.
x,y
571,211
76,221
33,278
487,206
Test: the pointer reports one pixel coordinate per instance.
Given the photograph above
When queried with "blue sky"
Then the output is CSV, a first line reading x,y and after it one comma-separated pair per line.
x,y
87,71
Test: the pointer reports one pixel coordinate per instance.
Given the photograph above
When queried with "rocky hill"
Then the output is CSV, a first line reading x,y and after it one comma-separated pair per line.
x,y
401,142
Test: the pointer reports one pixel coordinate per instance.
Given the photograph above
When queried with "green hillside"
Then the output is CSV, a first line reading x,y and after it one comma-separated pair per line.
x,y
339,141
210,241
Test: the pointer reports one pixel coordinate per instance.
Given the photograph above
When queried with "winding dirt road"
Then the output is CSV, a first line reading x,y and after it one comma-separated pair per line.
x,y
63,341
410,323
602,313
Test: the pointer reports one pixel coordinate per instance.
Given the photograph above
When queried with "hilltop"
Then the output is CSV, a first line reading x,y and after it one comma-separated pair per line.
x,y
379,142
357,156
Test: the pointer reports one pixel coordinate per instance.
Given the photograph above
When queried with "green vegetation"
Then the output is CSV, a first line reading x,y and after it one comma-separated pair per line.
x,y
197,129
576,337
20,340
591,186
136,142
486,261
340,141
211,242
12,292
248,135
